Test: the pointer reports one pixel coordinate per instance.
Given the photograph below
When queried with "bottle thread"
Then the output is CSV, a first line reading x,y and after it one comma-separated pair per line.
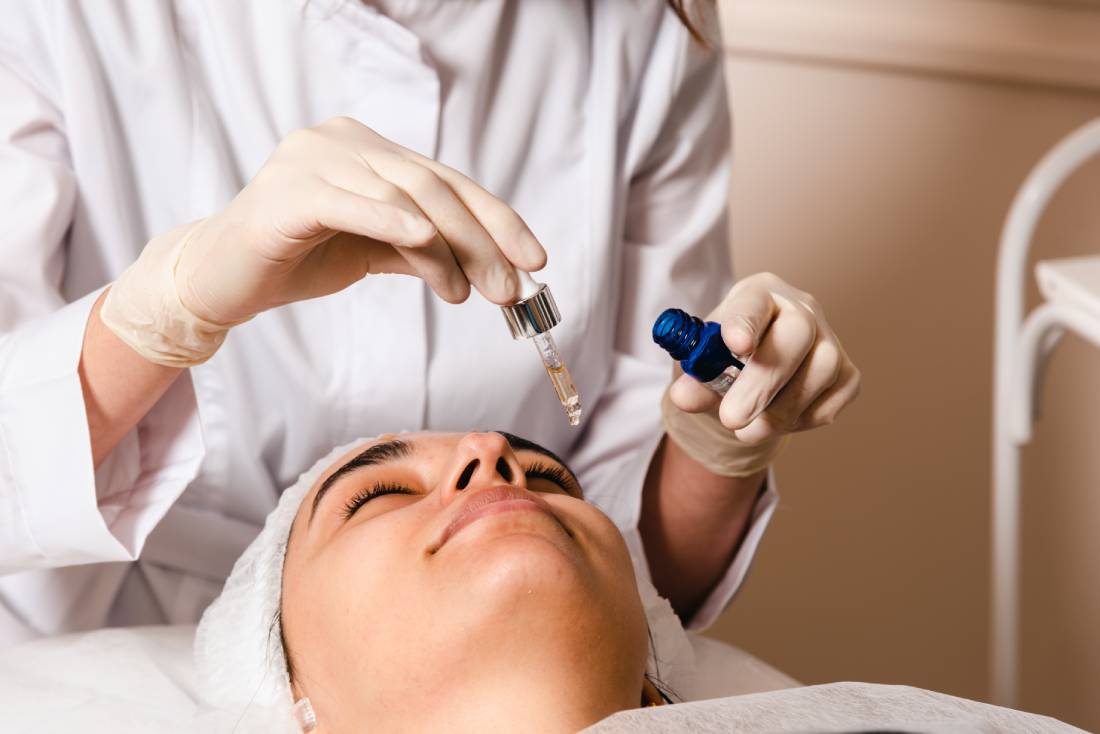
x,y
699,347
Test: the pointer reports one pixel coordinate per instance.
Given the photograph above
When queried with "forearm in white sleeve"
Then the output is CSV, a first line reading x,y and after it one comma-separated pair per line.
x,y
54,509
675,253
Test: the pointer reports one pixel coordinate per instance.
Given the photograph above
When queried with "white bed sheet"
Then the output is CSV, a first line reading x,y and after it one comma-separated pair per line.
x,y
835,708
116,681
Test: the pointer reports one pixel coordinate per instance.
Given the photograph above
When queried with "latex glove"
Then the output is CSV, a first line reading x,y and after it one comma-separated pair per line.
x,y
332,204
797,377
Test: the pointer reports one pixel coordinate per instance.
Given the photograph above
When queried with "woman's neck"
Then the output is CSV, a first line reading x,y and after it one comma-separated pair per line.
x,y
552,706
550,698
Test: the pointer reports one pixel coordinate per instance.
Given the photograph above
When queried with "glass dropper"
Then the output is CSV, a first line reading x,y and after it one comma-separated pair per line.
x,y
532,317
559,377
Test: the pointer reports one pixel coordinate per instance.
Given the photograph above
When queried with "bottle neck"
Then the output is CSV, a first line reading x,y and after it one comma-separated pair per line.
x,y
677,332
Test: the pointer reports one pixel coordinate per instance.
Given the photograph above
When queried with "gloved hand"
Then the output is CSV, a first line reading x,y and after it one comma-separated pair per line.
x,y
332,204
797,377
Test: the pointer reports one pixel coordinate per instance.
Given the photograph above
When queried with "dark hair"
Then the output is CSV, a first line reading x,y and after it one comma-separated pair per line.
x,y
682,12
666,692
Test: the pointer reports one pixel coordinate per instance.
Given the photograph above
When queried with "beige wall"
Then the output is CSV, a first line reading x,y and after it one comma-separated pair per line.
x,y
882,189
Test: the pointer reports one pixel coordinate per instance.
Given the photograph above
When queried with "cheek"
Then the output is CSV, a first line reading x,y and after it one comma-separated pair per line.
x,y
615,571
343,608
604,545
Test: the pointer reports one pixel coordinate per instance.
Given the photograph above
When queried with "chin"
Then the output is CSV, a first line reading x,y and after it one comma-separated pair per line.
x,y
518,567
531,596
521,592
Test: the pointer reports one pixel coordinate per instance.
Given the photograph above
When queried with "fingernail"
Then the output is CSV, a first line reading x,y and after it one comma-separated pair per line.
x,y
730,416
535,253
459,287
746,332
420,229
509,283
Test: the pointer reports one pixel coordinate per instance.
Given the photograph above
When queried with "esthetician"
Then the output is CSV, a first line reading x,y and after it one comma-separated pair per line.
x,y
203,204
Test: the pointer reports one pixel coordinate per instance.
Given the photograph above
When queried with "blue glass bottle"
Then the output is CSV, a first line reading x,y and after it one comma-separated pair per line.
x,y
699,347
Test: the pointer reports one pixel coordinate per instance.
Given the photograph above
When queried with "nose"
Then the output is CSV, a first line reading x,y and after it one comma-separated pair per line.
x,y
481,460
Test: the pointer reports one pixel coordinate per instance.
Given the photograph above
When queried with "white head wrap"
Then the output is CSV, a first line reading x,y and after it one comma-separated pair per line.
x,y
238,646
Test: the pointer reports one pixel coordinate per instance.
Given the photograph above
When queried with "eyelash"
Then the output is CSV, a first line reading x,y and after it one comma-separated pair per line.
x,y
555,474
364,496
538,470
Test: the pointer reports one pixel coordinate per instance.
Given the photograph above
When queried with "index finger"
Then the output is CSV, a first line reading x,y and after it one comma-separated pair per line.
x,y
745,315
504,225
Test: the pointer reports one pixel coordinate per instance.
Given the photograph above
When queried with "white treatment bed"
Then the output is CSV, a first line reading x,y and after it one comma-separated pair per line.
x,y
118,681
142,679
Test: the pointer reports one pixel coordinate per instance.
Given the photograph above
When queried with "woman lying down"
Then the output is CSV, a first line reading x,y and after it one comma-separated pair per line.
x,y
427,582
437,582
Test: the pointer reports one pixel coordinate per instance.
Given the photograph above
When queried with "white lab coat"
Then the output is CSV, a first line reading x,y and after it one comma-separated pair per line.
x,y
600,122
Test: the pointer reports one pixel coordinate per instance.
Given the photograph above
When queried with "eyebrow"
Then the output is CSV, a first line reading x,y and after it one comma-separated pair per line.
x,y
379,453
396,449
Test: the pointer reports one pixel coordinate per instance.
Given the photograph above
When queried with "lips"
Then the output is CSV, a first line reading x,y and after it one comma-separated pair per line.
x,y
493,501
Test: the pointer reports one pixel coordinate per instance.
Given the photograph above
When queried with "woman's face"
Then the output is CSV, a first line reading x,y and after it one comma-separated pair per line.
x,y
423,567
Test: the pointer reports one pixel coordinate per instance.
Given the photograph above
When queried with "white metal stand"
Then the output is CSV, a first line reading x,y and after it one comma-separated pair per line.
x,y
1072,290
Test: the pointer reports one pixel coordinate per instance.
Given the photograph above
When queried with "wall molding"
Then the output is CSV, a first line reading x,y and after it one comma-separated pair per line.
x,y
1036,42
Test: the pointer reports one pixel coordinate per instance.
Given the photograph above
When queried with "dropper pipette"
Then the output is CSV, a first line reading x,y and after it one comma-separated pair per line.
x,y
532,317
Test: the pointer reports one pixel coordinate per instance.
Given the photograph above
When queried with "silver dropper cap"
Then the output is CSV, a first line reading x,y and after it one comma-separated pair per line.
x,y
535,314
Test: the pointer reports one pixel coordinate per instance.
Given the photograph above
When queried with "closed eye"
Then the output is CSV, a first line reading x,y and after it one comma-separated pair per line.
x,y
364,496
556,475
538,470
